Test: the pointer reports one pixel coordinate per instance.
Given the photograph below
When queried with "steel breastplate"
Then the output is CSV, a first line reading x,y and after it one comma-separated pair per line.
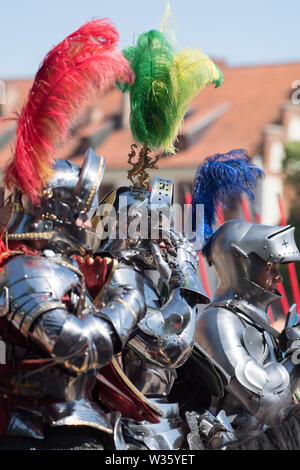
x,y
36,389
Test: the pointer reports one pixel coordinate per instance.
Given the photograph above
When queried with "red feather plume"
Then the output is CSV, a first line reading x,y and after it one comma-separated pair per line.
x,y
84,61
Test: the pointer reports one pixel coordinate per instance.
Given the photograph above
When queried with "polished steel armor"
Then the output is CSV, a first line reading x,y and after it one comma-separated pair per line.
x,y
71,191
234,329
55,337
167,266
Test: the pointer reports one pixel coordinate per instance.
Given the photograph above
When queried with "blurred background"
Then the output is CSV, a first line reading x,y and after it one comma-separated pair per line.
x,y
255,44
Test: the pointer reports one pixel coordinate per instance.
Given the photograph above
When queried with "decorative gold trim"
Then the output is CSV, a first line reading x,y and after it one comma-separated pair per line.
x,y
134,389
139,168
128,307
25,326
93,190
47,193
49,216
67,265
115,264
107,200
81,422
4,253
30,236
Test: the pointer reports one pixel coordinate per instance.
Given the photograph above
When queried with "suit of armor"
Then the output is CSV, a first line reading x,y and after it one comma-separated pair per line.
x,y
234,329
164,336
55,338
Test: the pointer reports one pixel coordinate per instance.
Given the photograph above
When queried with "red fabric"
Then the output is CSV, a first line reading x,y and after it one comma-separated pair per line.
x,y
26,250
14,247
95,272
220,215
204,276
284,300
291,266
4,252
117,396
246,211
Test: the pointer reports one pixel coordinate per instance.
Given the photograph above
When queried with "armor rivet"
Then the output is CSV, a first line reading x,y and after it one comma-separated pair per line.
x,y
48,193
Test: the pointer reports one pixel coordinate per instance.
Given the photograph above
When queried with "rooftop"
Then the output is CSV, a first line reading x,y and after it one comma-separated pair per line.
x,y
231,116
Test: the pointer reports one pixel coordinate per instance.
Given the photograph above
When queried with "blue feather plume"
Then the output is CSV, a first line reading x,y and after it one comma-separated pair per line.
x,y
220,179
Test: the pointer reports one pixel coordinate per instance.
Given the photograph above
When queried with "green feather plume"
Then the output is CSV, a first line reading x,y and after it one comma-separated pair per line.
x,y
193,71
165,83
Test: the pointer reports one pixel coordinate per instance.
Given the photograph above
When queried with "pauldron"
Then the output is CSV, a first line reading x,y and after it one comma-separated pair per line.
x,y
33,285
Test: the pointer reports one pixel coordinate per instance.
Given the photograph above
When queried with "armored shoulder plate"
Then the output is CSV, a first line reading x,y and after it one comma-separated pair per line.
x,y
246,354
31,285
219,332
123,301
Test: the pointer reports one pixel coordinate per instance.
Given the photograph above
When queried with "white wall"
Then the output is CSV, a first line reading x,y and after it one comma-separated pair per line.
x,y
293,132
271,187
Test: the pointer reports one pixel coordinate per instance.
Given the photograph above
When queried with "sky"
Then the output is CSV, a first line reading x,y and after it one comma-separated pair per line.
x,y
240,32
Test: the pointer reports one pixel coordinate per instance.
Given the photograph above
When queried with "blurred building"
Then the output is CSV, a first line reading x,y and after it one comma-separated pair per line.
x,y
256,108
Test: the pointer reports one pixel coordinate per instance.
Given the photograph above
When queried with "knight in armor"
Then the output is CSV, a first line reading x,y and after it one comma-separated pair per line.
x,y
55,339
165,271
165,265
254,360
235,329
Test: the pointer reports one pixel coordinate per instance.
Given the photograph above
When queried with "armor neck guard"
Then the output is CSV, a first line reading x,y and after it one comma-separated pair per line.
x,y
250,292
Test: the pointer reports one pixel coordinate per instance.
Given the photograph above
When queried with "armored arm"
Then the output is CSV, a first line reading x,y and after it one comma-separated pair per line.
x,y
187,262
47,304
166,336
179,267
79,344
122,303
256,378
